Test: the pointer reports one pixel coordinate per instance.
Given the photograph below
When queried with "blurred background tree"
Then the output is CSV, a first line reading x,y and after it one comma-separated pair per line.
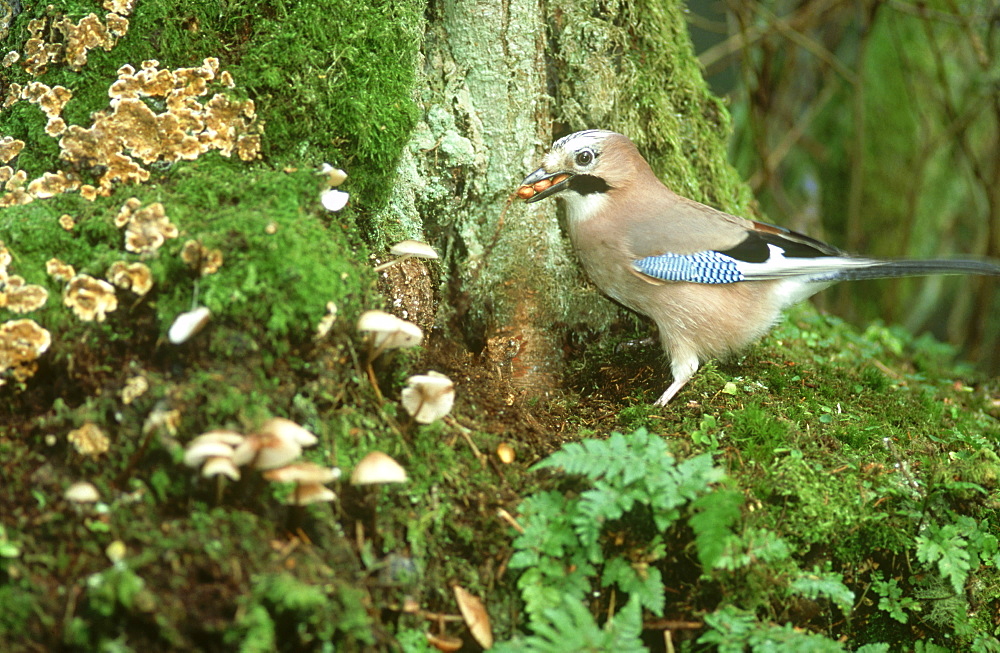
x,y
872,124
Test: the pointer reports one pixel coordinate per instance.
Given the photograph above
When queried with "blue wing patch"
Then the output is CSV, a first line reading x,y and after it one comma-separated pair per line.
x,y
700,267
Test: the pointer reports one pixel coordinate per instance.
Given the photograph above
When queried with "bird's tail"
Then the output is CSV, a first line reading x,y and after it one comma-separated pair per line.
x,y
912,268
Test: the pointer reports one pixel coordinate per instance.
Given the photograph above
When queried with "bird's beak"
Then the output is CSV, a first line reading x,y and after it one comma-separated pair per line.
x,y
542,183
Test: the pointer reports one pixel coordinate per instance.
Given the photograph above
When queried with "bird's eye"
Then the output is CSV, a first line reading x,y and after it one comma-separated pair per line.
x,y
584,158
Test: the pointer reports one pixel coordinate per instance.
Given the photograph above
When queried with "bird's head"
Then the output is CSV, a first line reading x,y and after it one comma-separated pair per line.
x,y
583,167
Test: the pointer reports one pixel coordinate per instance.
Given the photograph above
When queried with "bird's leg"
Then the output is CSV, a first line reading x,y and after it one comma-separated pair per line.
x,y
683,368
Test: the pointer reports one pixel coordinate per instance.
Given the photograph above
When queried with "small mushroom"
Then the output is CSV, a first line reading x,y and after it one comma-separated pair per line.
x,y
334,200
505,453
334,176
286,428
376,468
475,616
82,492
308,478
266,451
187,324
445,643
198,452
408,249
214,452
303,472
388,331
307,493
220,466
428,397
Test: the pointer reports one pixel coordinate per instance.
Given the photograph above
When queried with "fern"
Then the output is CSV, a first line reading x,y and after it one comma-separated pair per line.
x,y
734,631
831,585
945,546
569,626
716,513
564,549
892,600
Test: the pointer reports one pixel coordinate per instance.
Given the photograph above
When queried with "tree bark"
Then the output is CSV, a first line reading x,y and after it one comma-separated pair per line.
x,y
498,82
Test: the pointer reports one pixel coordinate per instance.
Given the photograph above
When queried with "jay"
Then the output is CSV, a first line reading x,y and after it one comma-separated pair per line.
x,y
712,282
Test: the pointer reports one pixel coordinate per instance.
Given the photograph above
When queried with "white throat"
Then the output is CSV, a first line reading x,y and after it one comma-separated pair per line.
x,y
581,208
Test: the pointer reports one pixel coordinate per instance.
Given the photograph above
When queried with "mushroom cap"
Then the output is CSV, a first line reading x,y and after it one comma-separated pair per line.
x,y
198,452
304,472
475,616
221,466
334,176
232,438
443,642
334,200
289,430
82,492
266,451
388,331
428,397
377,467
310,493
413,248
188,324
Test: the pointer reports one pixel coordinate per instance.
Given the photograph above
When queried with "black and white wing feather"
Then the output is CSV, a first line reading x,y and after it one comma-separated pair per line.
x,y
773,253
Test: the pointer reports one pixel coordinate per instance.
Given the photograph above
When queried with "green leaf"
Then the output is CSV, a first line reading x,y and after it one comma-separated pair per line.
x,y
831,585
944,545
712,523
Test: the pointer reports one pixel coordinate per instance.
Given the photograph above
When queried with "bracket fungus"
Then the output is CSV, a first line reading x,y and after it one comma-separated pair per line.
x,y
407,249
91,299
59,270
19,297
16,295
428,397
21,344
201,259
146,229
136,277
89,440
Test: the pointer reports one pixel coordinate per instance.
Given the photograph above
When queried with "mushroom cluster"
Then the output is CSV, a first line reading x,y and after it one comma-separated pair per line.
x,y
76,38
272,449
128,135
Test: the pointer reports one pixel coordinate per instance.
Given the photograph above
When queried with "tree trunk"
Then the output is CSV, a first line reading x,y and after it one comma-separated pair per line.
x,y
498,82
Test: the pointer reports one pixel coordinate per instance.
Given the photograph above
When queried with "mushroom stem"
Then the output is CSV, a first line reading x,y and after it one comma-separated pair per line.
x,y
464,432
389,264
374,381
